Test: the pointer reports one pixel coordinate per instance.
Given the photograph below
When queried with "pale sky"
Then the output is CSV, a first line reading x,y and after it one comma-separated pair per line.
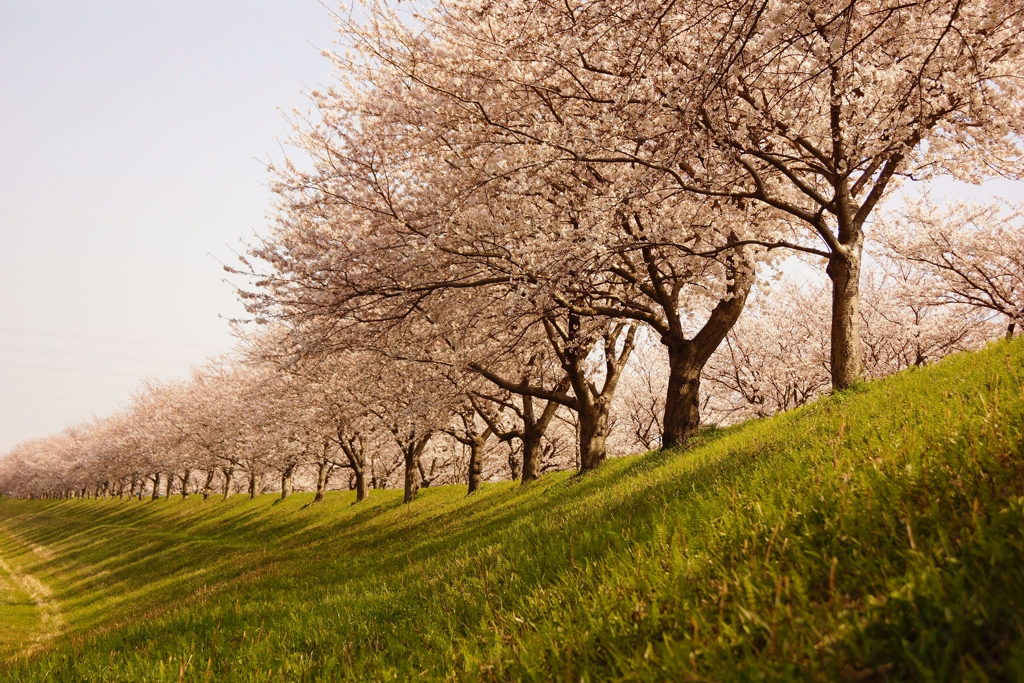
x,y
131,139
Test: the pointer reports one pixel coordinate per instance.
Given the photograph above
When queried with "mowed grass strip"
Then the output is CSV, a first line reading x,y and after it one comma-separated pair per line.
x,y
20,618
874,535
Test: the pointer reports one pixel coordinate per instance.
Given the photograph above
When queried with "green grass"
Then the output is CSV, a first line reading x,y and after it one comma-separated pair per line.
x,y
875,535
20,619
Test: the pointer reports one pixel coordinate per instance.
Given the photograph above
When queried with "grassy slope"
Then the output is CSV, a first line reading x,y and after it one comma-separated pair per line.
x,y
20,620
874,535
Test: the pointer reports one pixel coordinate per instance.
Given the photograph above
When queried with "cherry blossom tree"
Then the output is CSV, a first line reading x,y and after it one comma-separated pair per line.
x,y
969,254
776,358
413,191
641,407
815,110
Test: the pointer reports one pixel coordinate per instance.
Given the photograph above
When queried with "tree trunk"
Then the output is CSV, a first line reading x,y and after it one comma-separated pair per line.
x,y
533,433
531,453
286,481
321,480
252,484
682,403
844,271
687,357
227,482
476,461
593,435
412,473
355,450
412,450
170,483
208,486
156,486
513,463
361,489
185,479
1009,331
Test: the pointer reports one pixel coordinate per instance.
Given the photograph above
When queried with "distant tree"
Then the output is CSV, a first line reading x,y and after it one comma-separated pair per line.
x,y
968,253
777,356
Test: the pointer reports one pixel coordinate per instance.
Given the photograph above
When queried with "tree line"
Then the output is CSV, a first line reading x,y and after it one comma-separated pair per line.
x,y
513,237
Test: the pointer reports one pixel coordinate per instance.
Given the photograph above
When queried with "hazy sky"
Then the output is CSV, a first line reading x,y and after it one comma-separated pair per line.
x,y
131,134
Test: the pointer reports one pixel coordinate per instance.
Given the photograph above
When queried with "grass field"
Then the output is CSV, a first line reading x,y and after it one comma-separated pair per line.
x,y
875,535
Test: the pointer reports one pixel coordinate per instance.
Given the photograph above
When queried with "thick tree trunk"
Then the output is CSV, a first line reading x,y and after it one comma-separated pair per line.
x,y
682,402
361,488
412,473
412,450
531,453
687,357
286,481
476,461
227,482
156,486
252,484
321,481
1009,331
844,271
208,486
533,433
593,435
170,483
185,479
